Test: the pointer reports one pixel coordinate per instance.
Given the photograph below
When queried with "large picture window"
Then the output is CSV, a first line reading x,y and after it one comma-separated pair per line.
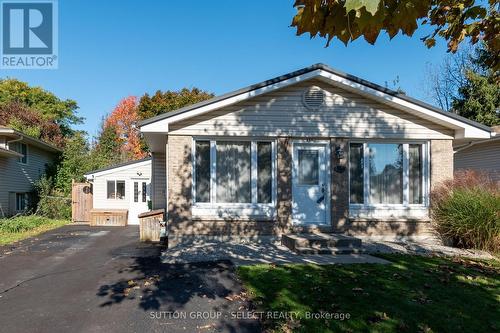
x,y
233,172
387,173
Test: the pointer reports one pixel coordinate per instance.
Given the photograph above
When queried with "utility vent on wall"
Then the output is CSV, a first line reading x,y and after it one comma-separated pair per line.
x,y
313,98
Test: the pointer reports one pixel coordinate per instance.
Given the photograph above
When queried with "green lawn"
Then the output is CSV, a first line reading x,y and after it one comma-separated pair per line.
x,y
412,294
18,228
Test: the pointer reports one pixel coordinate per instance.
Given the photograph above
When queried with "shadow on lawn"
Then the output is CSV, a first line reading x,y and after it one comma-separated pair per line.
x,y
158,287
414,294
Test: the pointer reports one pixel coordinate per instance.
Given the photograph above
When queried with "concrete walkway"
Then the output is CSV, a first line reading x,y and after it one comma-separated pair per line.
x,y
267,250
250,252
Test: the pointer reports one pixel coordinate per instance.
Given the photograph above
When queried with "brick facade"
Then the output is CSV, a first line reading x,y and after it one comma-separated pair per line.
x,y
179,182
339,183
284,197
441,161
180,191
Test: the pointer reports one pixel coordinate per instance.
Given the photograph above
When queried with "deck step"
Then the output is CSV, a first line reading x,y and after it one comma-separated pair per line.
x,y
321,243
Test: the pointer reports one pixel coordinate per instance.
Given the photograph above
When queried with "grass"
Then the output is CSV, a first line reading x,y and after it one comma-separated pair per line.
x,y
21,227
412,294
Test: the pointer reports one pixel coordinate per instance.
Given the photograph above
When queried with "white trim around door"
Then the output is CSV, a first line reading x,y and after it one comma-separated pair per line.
x,y
311,183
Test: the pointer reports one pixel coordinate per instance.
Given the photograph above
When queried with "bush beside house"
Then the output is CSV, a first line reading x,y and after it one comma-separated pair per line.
x,y
466,211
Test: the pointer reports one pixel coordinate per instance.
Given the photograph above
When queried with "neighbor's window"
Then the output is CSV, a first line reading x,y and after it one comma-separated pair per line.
x,y
136,191
238,171
387,167
21,201
144,191
115,189
21,148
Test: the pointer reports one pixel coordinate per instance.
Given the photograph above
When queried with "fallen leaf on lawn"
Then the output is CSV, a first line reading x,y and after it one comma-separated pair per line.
x,y
206,326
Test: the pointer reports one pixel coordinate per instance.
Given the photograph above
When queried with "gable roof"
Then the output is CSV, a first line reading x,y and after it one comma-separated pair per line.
x,y
114,167
317,70
15,134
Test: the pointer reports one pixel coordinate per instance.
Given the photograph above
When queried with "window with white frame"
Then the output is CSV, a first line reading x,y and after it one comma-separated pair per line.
x,y
21,148
387,173
230,172
115,189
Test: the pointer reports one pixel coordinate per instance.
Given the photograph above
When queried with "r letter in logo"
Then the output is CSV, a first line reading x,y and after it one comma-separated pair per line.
x,y
29,34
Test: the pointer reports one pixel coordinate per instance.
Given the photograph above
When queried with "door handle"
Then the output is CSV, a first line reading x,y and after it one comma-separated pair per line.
x,y
320,199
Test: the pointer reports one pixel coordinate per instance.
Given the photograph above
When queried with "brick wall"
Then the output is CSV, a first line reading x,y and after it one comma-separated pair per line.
x,y
179,182
441,161
339,183
284,197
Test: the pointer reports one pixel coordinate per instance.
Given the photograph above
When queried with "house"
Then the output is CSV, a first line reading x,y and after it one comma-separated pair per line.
x,y
23,160
482,156
124,186
315,149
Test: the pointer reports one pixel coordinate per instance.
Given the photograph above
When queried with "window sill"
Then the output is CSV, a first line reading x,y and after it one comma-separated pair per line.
x,y
417,212
233,211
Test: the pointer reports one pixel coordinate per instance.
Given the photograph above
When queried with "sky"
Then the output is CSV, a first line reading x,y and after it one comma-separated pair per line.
x,y
112,49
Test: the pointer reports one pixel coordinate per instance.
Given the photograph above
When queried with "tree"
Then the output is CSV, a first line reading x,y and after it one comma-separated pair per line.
x,y
453,20
20,117
107,149
479,99
443,80
123,120
75,162
48,105
162,102
464,84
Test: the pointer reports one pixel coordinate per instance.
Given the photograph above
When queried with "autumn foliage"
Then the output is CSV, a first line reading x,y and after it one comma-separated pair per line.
x,y
123,120
22,118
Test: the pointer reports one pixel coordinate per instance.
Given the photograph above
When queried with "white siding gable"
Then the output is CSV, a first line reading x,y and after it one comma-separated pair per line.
x,y
282,113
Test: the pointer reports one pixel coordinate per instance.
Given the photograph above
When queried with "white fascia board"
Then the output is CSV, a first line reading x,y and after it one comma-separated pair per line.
x,y
161,126
462,130
121,168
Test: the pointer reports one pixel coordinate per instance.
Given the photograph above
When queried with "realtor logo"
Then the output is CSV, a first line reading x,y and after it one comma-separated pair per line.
x,y
29,34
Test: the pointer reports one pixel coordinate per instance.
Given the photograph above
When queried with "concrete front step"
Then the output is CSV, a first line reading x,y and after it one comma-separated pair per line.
x,y
319,243
328,250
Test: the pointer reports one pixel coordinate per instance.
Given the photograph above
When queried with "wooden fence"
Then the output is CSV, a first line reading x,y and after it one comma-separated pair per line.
x,y
81,202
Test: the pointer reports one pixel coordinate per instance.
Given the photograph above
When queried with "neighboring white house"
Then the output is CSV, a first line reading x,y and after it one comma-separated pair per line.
x,y
482,156
123,186
23,160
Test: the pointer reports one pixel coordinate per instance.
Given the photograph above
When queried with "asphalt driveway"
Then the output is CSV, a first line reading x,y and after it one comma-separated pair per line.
x,y
83,279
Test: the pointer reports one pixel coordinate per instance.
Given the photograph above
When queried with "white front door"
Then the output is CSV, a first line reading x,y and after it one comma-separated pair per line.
x,y
310,183
139,197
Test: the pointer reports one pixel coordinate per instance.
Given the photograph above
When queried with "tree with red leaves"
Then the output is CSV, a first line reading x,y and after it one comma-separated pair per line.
x,y
123,119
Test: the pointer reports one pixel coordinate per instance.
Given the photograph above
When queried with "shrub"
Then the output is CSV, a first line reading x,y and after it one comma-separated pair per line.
x,y
22,223
51,202
466,210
